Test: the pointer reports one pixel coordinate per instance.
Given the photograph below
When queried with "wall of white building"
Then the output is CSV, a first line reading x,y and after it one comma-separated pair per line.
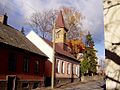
x,y
41,44
112,35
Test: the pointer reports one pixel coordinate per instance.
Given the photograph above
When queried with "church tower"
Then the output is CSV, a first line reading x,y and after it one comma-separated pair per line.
x,y
60,31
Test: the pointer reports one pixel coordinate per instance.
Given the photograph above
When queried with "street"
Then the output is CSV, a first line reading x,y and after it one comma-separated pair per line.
x,y
90,85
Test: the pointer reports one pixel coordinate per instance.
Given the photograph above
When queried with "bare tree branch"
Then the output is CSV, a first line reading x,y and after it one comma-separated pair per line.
x,y
43,22
73,22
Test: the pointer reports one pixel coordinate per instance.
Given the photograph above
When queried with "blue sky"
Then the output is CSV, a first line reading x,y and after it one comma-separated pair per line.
x,y
20,10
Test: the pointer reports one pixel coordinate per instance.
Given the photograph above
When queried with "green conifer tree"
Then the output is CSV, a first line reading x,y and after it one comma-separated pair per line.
x,y
88,65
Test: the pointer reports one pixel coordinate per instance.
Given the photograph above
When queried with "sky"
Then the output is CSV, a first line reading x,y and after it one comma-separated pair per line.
x,y
19,11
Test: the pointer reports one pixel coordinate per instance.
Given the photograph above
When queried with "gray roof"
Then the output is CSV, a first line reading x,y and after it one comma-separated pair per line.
x,y
13,37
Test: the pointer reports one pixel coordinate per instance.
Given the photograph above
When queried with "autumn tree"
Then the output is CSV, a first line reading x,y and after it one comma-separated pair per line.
x,y
42,22
77,46
73,22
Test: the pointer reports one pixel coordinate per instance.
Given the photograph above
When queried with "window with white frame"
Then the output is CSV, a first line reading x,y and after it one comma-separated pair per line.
x,y
58,66
63,67
69,68
76,68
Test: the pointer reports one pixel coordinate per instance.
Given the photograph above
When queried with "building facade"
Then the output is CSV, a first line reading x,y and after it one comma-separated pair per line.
x,y
66,65
112,44
22,63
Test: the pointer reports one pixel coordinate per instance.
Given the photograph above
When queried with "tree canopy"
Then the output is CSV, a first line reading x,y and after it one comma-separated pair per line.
x,y
89,62
42,22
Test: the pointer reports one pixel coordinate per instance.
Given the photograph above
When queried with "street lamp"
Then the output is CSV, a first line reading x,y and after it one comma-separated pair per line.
x,y
53,59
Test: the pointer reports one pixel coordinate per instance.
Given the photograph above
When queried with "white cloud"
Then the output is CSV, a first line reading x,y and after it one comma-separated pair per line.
x,y
91,9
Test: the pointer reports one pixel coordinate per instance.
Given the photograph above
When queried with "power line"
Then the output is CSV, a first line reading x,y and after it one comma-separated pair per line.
x,y
9,5
12,5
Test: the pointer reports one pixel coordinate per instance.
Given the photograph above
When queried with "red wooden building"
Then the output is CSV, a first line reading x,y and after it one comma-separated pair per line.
x,y
22,65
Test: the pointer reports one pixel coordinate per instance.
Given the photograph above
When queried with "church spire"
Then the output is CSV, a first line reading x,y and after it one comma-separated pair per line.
x,y
60,31
60,21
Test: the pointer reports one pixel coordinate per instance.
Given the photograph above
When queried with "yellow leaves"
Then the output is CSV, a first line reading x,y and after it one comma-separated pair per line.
x,y
74,19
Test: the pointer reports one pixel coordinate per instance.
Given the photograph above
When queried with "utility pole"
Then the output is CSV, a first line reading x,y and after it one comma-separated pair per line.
x,y
53,59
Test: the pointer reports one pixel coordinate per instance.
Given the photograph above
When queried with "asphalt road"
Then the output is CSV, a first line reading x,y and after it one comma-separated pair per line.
x,y
90,85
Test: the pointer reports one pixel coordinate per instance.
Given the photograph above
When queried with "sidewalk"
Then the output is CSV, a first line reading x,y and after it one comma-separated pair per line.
x,y
93,83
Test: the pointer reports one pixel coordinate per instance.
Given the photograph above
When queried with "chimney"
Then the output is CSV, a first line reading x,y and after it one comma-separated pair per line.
x,y
22,31
3,19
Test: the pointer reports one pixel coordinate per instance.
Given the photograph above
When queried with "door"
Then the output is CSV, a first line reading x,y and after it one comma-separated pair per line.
x,y
11,83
